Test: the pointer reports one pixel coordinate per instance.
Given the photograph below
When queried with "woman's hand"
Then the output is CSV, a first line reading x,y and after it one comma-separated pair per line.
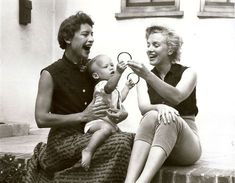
x,y
166,114
121,66
139,69
116,115
95,110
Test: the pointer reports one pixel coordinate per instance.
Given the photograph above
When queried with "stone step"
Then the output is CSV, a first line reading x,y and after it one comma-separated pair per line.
x,y
198,173
194,174
11,129
213,167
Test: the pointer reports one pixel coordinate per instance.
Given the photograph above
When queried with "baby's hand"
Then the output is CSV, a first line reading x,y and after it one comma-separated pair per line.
x,y
121,66
130,84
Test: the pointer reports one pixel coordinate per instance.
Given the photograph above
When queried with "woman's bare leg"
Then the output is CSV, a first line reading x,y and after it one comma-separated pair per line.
x,y
156,158
139,155
141,148
175,138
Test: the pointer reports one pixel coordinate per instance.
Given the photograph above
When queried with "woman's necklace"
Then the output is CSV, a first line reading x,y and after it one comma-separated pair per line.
x,y
83,65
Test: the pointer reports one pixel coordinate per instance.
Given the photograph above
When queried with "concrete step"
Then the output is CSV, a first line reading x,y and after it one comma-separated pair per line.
x,y
213,167
198,173
11,129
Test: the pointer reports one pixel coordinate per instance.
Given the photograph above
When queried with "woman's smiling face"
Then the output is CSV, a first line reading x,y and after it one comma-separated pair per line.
x,y
82,41
157,48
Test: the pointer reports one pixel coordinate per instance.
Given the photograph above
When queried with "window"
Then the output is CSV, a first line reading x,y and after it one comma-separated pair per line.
x,y
149,8
217,8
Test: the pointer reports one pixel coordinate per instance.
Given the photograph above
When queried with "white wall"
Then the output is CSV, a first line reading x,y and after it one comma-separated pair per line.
x,y
1,112
24,51
208,47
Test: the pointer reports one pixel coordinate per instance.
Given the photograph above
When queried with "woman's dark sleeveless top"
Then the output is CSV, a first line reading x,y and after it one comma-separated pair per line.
x,y
186,107
73,89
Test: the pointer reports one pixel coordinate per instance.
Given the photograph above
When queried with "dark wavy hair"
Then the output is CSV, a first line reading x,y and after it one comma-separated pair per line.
x,y
70,25
172,39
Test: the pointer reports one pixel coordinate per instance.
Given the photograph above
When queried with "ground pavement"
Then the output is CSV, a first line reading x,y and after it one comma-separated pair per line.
x,y
215,166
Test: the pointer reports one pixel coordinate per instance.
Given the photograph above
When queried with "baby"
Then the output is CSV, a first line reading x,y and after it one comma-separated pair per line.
x,y
102,70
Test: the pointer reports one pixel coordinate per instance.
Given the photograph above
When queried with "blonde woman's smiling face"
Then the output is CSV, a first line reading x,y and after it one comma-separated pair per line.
x,y
157,49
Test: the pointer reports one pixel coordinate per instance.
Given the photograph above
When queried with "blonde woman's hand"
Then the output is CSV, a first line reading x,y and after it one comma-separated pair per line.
x,y
139,69
121,66
166,114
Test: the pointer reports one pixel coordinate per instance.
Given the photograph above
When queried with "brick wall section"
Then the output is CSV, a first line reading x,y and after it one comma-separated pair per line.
x,y
194,174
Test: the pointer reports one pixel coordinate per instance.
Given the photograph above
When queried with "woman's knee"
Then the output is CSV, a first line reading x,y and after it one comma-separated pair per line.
x,y
150,120
148,126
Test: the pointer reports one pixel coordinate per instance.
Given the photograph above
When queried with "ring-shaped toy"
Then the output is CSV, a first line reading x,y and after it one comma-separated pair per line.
x,y
134,77
124,56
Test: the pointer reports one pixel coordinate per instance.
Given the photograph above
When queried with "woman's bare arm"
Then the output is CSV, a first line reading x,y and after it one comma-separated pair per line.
x,y
180,92
174,95
45,119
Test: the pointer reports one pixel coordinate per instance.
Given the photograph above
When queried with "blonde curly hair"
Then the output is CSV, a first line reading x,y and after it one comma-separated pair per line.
x,y
172,39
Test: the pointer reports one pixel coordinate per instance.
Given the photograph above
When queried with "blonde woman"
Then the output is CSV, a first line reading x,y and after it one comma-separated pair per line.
x,y
167,101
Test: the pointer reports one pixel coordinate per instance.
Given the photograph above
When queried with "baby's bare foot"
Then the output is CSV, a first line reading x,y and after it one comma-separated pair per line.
x,y
86,159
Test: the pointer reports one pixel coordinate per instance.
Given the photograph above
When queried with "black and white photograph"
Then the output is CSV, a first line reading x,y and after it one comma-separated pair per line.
x,y
117,91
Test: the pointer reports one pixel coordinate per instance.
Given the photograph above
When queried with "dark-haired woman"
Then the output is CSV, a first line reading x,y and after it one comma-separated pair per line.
x,y
64,104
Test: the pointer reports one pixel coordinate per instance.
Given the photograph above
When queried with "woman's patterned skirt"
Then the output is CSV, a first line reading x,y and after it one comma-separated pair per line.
x,y
59,161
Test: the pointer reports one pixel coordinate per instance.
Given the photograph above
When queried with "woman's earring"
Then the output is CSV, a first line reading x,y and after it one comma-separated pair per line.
x,y
170,52
67,41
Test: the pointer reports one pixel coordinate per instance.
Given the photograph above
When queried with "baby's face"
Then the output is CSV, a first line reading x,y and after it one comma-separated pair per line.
x,y
104,67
